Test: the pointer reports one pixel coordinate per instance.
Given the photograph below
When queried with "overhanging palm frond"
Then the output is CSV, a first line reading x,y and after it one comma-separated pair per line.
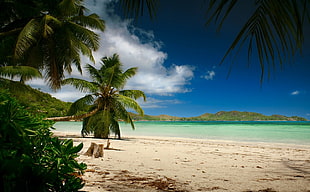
x,y
81,104
24,72
135,8
51,36
275,29
80,84
89,37
69,7
26,38
223,7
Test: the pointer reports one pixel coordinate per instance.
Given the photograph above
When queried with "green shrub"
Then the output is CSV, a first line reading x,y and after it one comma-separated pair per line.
x,y
30,158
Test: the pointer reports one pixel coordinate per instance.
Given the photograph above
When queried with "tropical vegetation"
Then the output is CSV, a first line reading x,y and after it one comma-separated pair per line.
x,y
34,100
47,35
31,159
109,102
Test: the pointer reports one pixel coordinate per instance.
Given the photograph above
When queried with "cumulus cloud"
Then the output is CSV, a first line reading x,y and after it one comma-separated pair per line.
x,y
295,92
136,48
209,76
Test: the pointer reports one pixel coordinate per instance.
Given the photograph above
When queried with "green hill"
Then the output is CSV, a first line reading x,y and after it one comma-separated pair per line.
x,y
34,100
221,116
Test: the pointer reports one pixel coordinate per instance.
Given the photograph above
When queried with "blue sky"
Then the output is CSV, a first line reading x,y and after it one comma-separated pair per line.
x,y
178,59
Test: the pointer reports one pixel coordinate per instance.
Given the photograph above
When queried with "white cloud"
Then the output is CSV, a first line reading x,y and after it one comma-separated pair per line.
x,y
295,92
136,48
157,103
209,76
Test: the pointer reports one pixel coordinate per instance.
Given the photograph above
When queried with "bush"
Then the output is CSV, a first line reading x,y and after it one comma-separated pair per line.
x,y
30,158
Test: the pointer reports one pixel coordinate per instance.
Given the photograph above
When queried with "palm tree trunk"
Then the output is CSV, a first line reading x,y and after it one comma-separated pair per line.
x,y
73,117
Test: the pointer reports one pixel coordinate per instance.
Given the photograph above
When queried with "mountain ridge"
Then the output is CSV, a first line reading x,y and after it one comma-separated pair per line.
x,y
220,116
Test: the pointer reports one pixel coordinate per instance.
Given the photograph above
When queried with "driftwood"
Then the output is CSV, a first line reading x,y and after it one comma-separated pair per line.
x,y
95,150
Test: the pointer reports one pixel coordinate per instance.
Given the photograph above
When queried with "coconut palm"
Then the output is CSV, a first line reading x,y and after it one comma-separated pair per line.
x,y
49,36
108,102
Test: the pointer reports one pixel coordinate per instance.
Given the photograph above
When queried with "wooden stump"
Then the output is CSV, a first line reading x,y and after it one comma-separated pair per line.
x,y
99,151
95,150
108,144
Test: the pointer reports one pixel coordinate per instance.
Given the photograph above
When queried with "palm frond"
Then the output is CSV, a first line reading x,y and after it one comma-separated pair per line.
x,y
69,7
87,36
81,104
92,21
80,84
129,103
223,7
26,38
96,124
130,73
24,72
121,113
136,8
134,94
54,70
275,29
94,73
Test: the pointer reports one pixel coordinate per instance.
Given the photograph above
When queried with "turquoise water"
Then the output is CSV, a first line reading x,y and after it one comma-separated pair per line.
x,y
277,132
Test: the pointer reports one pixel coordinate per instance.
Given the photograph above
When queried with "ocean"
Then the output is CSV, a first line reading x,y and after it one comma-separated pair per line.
x,y
291,132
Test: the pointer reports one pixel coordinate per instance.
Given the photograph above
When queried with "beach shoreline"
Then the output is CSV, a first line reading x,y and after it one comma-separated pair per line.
x,y
146,163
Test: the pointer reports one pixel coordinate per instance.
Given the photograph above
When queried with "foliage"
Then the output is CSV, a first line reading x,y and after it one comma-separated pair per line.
x,y
30,158
47,35
23,72
34,100
107,99
136,8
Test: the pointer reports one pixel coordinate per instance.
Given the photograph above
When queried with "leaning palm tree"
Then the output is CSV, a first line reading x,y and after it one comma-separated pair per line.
x,y
47,35
107,101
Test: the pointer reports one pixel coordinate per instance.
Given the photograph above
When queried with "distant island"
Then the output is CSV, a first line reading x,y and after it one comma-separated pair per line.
x,y
43,103
220,116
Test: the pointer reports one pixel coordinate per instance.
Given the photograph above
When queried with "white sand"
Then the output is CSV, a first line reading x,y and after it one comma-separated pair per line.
x,y
177,164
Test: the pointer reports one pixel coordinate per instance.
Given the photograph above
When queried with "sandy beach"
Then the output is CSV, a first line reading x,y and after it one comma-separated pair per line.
x,y
178,164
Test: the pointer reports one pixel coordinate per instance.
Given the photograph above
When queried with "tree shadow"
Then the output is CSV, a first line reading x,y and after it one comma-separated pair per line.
x,y
301,166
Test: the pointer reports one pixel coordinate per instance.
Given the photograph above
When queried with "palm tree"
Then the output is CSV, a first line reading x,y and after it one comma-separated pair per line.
x,y
107,101
47,35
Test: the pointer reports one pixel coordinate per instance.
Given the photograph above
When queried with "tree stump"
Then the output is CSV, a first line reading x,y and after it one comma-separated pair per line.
x,y
108,144
95,150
